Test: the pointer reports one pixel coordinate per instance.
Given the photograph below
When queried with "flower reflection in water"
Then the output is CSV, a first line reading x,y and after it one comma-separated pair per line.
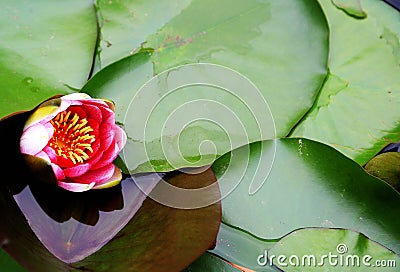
x,y
72,226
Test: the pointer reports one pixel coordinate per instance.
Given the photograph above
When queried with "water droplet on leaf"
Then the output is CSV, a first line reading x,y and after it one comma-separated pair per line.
x,y
27,80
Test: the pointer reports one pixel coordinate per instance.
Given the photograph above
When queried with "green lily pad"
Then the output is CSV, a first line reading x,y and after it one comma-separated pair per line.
x,y
331,250
170,135
232,106
356,110
208,262
125,25
243,37
310,185
46,48
9,264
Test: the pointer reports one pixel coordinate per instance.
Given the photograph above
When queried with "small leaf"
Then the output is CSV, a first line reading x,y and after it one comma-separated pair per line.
x,y
386,166
351,7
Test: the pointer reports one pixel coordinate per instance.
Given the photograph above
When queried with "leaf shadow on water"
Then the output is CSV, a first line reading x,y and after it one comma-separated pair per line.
x,y
62,205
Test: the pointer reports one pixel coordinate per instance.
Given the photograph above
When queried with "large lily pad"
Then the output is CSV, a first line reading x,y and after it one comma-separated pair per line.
x,y
310,185
356,110
164,133
46,48
263,40
243,38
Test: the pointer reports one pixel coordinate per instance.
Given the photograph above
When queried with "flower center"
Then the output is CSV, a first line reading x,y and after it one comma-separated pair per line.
x,y
72,137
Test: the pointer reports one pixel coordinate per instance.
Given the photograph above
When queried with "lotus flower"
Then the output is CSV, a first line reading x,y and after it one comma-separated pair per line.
x,y
77,136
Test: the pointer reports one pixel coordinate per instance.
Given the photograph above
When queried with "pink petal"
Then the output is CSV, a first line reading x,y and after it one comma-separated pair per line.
x,y
66,103
50,129
51,154
58,171
65,162
76,187
94,159
110,104
112,152
97,176
108,157
96,146
114,180
78,110
94,124
120,137
34,139
108,114
106,133
75,96
77,170
92,111
95,102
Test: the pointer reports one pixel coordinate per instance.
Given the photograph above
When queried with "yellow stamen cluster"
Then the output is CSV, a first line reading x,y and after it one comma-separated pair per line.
x,y
72,138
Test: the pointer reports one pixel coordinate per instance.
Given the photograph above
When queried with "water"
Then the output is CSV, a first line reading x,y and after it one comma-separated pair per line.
x,y
72,225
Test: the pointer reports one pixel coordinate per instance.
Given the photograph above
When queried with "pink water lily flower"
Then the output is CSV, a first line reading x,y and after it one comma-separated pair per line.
x,y
77,136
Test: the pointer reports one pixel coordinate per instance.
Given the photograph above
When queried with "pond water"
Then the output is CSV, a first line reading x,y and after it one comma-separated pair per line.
x,y
72,225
